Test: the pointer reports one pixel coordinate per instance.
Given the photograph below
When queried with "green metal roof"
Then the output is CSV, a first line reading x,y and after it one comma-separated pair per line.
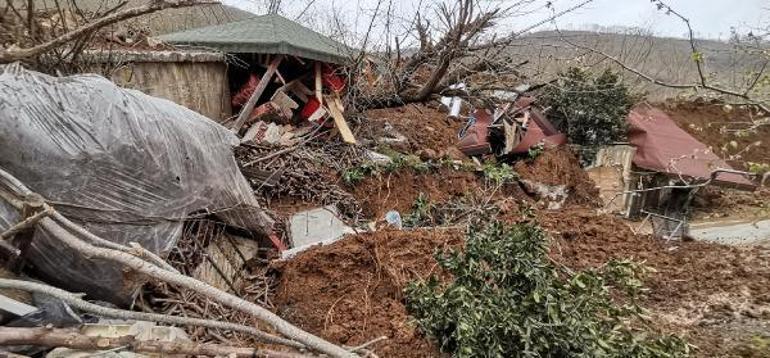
x,y
267,34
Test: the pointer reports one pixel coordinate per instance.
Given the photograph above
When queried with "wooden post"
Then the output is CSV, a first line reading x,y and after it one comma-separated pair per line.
x,y
318,83
263,82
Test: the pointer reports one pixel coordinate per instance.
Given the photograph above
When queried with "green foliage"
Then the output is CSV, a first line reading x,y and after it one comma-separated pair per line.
x,y
534,151
758,168
354,175
499,174
509,300
422,212
590,109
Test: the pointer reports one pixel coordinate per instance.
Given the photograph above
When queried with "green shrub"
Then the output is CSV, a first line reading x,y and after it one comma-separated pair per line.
x,y
508,299
499,174
590,109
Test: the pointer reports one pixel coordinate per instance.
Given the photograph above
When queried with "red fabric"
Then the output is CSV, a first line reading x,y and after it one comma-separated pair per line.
x,y
664,147
331,80
245,92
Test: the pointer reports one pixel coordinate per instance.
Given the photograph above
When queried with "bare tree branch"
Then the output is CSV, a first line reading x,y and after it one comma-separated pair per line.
x,y
10,55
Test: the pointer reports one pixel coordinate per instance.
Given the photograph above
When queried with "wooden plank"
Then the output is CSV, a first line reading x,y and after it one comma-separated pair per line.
x,y
318,83
263,82
335,109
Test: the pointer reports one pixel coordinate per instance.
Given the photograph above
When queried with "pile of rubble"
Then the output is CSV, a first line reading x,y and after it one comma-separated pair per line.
x,y
123,190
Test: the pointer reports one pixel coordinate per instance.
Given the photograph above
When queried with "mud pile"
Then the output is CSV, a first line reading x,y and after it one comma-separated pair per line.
x,y
399,190
561,166
351,292
426,128
707,123
717,297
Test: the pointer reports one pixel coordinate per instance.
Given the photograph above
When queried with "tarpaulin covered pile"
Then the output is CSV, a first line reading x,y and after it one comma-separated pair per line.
x,y
663,147
127,166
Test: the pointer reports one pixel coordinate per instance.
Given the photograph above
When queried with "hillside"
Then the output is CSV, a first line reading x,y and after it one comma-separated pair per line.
x,y
667,59
167,21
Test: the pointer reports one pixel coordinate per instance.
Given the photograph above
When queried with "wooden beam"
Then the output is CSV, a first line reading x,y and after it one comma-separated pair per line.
x,y
335,109
318,83
263,82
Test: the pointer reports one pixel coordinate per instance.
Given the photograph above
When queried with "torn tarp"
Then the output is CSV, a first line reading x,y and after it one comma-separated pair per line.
x,y
127,166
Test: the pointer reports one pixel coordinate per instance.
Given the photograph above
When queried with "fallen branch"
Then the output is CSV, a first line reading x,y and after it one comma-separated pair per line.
x,y
75,301
72,338
136,249
24,224
19,190
150,7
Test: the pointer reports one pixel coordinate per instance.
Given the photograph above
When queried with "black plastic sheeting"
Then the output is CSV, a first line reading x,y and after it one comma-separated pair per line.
x,y
127,166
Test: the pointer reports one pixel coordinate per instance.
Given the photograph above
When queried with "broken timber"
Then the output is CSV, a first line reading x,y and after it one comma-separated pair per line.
x,y
263,82
335,109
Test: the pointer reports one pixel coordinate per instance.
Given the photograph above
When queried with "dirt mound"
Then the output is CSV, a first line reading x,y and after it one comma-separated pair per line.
x,y
398,191
424,127
686,269
350,292
561,166
705,122
698,288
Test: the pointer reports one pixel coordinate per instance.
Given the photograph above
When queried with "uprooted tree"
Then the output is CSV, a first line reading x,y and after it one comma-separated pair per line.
x,y
509,299
444,44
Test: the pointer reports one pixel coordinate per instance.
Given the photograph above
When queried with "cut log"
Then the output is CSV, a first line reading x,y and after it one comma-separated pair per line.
x,y
72,338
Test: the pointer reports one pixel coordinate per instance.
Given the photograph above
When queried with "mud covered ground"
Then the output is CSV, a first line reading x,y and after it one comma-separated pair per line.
x,y
350,292
716,126
718,297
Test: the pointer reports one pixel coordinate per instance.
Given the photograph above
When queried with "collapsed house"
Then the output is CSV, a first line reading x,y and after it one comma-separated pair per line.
x,y
667,157
656,175
282,77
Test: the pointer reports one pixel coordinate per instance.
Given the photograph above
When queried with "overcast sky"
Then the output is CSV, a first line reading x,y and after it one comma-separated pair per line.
x,y
710,18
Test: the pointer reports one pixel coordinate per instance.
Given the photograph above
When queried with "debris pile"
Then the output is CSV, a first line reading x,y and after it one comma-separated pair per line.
x,y
112,194
287,231
513,128
308,175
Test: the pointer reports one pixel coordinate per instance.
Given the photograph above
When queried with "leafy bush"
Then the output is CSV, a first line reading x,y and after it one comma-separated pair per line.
x,y
509,300
590,109
355,174
499,174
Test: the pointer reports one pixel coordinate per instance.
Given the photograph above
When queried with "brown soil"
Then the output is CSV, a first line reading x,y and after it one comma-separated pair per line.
x,y
350,292
704,121
398,190
697,286
560,166
424,127
713,202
